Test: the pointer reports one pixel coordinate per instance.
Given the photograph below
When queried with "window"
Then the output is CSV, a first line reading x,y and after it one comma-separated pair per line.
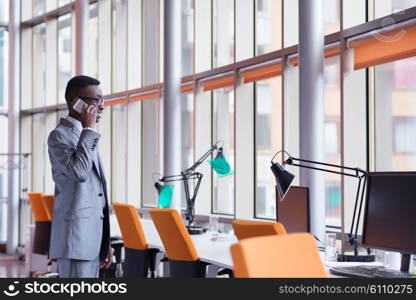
x,y
395,113
223,130
187,37
64,55
4,11
119,146
3,68
332,139
119,45
404,135
188,136
386,7
223,35
268,132
38,7
39,65
268,26
93,41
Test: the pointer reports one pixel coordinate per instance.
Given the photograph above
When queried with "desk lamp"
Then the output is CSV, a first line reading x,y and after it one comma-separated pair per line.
x,y
285,178
220,166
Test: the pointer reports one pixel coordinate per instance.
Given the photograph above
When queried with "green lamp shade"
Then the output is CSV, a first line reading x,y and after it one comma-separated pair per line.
x,y
165,196
221,166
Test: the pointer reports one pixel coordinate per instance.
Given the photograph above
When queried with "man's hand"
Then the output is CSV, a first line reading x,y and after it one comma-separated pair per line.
x,y
89,117
105,264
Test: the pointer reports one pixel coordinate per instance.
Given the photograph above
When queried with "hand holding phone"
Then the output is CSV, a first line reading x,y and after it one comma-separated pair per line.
x,y
89,116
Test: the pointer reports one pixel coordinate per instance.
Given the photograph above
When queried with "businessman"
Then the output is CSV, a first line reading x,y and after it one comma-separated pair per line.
x,y
80,234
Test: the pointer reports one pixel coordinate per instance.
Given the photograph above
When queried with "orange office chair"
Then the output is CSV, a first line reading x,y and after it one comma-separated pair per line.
x,y
244,229
139,258
180,249
48,201
42,224
289,255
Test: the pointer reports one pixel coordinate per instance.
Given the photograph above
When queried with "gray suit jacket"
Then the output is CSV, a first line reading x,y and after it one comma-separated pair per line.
x,y
80,222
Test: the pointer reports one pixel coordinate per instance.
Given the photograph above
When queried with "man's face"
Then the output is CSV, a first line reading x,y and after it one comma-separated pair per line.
x,y
92,95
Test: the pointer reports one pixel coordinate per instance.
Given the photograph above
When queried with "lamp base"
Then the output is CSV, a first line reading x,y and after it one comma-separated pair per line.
x,y
196,229
356,258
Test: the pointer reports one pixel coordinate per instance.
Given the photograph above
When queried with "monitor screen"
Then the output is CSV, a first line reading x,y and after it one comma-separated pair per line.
x,y
390,212
293,211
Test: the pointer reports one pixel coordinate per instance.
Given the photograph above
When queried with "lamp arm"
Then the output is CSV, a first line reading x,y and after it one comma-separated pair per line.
x,y
358,172
202,159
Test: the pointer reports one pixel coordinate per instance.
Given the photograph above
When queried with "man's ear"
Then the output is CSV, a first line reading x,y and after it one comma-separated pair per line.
x,y
72,102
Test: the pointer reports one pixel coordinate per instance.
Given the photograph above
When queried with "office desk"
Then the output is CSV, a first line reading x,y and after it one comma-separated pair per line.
x,y
213,252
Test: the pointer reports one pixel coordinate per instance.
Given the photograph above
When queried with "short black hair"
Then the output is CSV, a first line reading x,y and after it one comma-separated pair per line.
x,y
75,84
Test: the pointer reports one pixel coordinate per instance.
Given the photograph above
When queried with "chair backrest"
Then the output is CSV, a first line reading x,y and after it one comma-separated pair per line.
x,y
39,209
288,255
174,235
48,201
244,229
130,226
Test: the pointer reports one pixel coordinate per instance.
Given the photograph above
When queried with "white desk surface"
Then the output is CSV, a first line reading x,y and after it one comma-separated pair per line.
x,y
214,252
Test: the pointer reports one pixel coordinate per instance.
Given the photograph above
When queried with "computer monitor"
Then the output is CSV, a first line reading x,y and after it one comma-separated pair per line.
x,y
293,211
390,211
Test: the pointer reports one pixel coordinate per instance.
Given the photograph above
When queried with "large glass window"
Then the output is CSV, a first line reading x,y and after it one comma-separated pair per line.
x,y
151,150
38,7
39,65
332,139
188,135
223,130
268,135
223,35
395,116
38,153
119,45
4,11
268,26
386,7
64,55
3,178
3,68
119,145
188,12
93,41
332,16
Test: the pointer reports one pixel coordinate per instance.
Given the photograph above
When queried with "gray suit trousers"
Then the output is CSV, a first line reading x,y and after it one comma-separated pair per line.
x,y
75,268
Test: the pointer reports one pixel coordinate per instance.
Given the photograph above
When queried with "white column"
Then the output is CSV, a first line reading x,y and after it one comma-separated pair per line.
x,y
82,16
171,97
13,132
311,84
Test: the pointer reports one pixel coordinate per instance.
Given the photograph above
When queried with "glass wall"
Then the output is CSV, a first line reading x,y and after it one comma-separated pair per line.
x,y
223,130
268,136
386,7
64,55
3,178
4,11
223,32
39,65
125,52
4,58
268,25
395,116
332,139
188,12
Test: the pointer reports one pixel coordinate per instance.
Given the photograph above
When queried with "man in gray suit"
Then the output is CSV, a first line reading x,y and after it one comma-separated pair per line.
x,y
80,234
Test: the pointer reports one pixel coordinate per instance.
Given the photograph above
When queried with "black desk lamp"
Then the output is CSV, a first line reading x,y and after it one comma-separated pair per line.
x,y
284,179
190,174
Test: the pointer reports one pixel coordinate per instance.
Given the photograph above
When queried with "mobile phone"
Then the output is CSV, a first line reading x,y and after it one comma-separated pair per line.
x,y
79,106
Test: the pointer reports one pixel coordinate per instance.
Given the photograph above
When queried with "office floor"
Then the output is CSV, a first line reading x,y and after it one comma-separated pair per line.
x,y
12,267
